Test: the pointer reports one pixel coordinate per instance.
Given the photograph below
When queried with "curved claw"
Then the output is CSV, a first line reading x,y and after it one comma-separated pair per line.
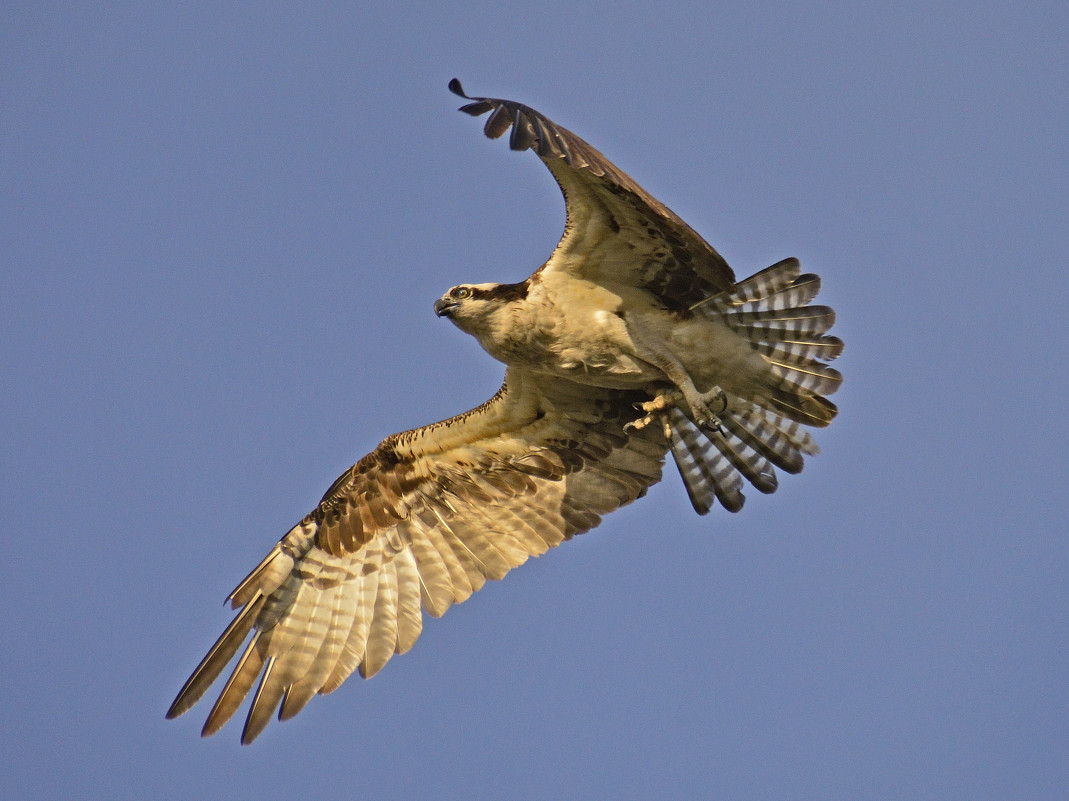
x,y
655,407
702,415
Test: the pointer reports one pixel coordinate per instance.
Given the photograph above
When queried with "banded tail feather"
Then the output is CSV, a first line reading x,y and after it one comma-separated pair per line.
x,y
771,311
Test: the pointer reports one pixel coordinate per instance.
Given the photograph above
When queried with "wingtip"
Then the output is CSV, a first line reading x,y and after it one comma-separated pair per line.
x,y
478,106
457,89
184,701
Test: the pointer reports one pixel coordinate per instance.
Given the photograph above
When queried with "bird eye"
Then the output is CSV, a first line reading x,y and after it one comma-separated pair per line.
x,y
462,293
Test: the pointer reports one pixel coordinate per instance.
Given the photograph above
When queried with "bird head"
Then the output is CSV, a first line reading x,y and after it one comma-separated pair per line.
x,y
473,307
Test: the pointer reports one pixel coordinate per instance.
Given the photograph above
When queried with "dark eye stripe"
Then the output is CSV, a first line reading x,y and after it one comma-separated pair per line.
x,y
502,292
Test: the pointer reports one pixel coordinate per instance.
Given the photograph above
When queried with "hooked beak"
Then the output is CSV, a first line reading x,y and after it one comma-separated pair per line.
x,y
443,307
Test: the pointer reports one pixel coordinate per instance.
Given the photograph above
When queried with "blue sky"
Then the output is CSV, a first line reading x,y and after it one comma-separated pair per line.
x,y
223,229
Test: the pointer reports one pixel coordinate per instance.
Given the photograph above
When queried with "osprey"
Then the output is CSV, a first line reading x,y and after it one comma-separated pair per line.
x,y
633,341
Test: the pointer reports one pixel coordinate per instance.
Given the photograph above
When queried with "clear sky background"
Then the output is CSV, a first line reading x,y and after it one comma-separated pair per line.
x,y
222,229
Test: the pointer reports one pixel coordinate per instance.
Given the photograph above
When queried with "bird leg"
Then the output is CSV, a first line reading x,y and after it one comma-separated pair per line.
x,y
656,406
652,349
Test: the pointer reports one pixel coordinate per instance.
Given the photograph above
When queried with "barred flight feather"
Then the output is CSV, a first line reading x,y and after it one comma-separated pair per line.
x,y
301,691
459,587
814,378
782,324
474,572
299,634
706,473
237,686
801,352
695,475
365,589
265,578
436,586
409,618
756,288
382,635
264,703
768,437
770,310
812,410
753,466
218,657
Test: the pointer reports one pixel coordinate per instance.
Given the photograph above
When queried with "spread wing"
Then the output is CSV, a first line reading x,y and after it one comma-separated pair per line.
x,y
615,232
423,521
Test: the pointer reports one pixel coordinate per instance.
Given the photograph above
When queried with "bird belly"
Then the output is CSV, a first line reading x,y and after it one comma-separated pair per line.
x,y
716,356
625,352
614,337
597,349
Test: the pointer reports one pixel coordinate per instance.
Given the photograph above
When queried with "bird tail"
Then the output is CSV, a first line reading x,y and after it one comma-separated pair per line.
x,y
752,437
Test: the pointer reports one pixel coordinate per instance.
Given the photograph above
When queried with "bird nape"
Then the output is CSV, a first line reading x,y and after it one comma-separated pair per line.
x,y
633,341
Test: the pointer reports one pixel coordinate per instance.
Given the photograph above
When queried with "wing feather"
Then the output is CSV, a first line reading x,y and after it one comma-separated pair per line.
x,y
237,686
409,619
264,702
419,524
218,657
431,533
365,587
615,231
474,571
382,635
435,582
494,558
341,616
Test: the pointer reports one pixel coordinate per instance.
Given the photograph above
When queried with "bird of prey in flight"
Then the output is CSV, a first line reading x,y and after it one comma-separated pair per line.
x,y
633,341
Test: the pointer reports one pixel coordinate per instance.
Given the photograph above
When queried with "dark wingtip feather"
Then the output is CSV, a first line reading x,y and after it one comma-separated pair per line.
x,y
263,705
479,107
498,122
732,502
523,133
236,688
216,659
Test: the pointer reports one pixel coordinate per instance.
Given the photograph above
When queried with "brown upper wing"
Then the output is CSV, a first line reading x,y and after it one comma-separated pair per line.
x,y
615,231
423,521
